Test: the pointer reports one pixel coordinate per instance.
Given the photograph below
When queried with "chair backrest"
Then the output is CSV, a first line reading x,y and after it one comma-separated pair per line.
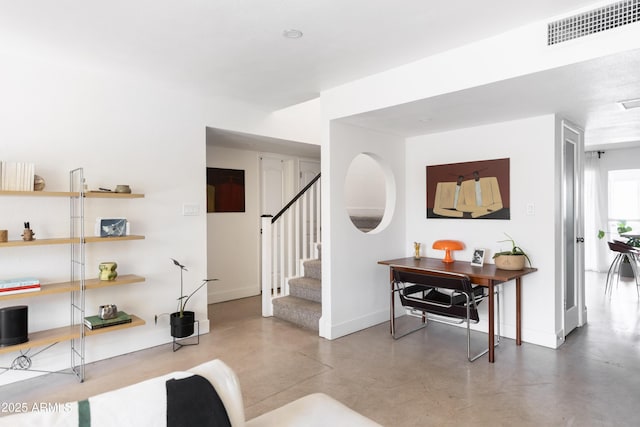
x,y
428,282
618,246
435,279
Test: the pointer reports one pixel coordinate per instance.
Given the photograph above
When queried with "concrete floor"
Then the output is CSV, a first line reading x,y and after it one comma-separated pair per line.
x,y
420,380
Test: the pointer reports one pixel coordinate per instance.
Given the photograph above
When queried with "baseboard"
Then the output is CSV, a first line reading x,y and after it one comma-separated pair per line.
x,y
353,325
214,296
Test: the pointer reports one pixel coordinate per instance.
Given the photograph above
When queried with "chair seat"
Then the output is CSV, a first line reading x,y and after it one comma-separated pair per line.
x,y
443,302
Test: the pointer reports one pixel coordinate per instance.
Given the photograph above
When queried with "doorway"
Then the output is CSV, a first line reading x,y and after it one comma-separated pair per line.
x,y
572,228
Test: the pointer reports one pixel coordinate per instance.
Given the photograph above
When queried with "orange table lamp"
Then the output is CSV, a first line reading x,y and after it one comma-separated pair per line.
x,y
448,246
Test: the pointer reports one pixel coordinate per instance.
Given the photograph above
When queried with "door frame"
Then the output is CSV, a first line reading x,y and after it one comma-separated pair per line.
x,y
574,134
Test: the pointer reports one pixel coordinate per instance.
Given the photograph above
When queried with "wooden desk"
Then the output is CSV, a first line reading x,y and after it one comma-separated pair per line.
x,y
487,275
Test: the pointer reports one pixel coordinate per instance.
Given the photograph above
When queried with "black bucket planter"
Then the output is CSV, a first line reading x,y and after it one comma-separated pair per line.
x,y
182,327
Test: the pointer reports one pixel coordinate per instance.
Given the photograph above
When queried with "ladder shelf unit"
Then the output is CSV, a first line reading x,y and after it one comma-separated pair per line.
x,y
78,284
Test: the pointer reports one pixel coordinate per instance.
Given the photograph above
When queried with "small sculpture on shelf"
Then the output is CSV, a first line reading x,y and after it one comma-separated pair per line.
x,y
108,270
38,183
108,311
27,234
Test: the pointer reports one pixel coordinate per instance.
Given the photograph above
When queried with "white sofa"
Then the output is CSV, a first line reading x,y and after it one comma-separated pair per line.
x,y
145,404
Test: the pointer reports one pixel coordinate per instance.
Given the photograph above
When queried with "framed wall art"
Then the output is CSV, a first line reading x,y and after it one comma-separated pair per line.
x,y
225,190
469,190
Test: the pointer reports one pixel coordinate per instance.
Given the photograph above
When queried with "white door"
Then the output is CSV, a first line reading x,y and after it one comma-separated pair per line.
x,y
308,170
572,228
271,185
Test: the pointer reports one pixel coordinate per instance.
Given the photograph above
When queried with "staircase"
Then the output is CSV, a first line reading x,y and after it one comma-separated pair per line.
x,y
303,305
288,238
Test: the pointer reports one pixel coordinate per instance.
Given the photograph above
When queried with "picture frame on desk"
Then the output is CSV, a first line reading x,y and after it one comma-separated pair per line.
x,y
112,227
477,259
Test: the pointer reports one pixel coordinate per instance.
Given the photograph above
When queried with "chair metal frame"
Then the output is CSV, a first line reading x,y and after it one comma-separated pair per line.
x,y
460,308
623,251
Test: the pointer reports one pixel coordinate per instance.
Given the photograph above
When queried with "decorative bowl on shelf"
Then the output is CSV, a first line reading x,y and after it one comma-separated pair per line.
x,y
123,189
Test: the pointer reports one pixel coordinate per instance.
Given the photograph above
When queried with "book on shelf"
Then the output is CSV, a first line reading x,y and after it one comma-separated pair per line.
x,y
95,322
19,282
17,176
19,289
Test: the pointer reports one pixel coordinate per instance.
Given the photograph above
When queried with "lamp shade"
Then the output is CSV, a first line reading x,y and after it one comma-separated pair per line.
x,y
448,246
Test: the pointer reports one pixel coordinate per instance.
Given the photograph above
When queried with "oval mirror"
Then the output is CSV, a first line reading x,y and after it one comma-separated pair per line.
x,y
369,193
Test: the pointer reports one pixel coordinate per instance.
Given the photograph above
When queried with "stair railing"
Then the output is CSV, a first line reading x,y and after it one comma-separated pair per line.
x,y
288,238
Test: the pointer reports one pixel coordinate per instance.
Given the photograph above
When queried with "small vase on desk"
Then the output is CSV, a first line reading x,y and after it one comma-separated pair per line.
x,y
416,248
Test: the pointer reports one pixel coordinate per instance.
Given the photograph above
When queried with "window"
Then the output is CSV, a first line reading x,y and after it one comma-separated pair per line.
x,y
624,198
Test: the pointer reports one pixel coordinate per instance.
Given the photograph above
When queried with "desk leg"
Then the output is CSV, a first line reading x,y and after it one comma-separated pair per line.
x,y
518,312
392,308
492,356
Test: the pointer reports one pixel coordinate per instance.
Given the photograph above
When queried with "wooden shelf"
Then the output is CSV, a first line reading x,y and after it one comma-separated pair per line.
x,y
111,195
88,195
66,333
37,242
135,321
94,239
64,287
46,337
67,240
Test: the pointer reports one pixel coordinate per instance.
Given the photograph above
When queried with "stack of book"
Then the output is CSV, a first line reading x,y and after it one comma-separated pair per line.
x,y
17,286
95,322
17,176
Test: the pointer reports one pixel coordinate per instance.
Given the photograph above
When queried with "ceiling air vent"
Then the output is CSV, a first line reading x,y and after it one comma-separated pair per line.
x,y
594,21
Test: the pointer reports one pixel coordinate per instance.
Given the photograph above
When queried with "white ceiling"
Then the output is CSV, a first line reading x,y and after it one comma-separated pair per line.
x,y
235,48
585,93
245,141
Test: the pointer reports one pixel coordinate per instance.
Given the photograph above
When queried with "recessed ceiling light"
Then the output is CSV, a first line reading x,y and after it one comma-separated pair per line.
x,y
292,34
630,103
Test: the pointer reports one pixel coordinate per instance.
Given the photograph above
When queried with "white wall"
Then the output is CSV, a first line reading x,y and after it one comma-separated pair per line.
x,y
355,290
122,129
530,146
233,237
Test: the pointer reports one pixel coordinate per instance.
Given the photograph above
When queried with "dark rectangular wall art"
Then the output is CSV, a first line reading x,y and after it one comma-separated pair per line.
x,y
469,190
225,190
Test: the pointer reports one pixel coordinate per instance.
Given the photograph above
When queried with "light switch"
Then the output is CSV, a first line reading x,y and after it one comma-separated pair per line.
x,y
190,210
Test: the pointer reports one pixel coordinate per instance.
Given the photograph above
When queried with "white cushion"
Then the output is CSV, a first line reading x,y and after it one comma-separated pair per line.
x,y
313,410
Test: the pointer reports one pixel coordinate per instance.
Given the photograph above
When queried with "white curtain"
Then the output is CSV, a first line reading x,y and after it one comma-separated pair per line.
x,y
595,250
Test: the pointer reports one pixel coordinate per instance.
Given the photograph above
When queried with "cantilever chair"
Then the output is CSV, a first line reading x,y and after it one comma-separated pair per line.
x,y
441,297
623,252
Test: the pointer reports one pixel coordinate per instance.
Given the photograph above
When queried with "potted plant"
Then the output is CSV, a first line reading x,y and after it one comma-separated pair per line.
x,y
513,259
182,321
